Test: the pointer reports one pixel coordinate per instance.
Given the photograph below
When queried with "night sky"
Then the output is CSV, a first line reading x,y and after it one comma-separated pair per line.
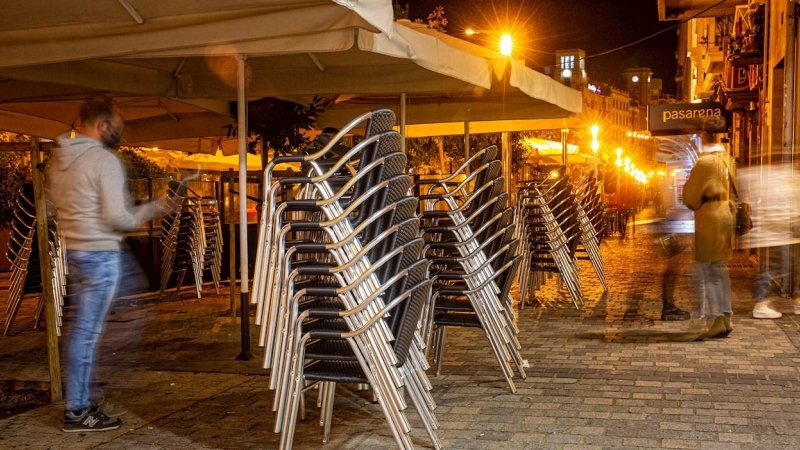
x,y
595,26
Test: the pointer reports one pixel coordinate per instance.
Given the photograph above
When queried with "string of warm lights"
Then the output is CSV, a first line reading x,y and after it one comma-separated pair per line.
x,y
631,169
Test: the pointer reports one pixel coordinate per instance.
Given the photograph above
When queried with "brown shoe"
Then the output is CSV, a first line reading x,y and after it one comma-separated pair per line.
x,y
717,329
726,319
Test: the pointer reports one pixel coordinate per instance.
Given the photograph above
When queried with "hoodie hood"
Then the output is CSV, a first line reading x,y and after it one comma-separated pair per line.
x,y
70,149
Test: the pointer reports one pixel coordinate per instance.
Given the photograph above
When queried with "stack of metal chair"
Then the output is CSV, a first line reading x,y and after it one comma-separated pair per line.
x,y
212,233
548,217
468,227
23,253
342,284
589,207
192,242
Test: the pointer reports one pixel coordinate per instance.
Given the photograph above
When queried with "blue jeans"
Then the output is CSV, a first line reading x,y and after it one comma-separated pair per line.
x,y
783,260
713,288
95,275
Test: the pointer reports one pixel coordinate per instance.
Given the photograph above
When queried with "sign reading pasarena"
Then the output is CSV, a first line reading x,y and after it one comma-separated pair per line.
x,y
686,118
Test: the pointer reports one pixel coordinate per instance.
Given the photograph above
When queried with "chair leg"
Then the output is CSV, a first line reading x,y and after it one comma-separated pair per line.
x,y
441,334
39,314
328,413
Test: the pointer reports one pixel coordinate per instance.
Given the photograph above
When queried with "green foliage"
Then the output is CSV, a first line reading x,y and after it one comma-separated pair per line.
x,y
437,21
138,166
423,155
16,170
278,124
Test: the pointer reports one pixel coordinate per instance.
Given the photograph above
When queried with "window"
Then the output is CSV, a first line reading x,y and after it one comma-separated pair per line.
x,y
723,26
568,62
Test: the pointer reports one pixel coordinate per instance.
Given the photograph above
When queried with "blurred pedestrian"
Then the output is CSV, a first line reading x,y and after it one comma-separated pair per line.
x,y
772,192
673,250
87,186
706,192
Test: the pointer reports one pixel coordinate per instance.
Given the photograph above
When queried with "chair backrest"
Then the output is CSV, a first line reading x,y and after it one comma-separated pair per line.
x,y
409,318
383,119
388,147
506,279
411,254
397,188
407,231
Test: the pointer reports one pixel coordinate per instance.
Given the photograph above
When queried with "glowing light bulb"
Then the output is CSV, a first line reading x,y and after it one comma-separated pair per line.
x,y
505,44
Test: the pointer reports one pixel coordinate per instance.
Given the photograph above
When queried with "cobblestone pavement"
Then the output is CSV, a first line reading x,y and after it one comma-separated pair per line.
x,y
611,375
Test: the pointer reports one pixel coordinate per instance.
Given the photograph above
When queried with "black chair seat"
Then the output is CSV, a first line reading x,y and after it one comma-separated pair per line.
x,y
453,319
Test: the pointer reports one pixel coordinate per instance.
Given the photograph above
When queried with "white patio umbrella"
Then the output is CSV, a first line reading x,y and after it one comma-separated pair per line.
x,y
71,43
514,93
36,32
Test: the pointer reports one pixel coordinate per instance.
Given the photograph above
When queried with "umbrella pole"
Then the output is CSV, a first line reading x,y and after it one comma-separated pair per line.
x,y
232,244
564,148
506,155
466,144
403,121
53,359
244,288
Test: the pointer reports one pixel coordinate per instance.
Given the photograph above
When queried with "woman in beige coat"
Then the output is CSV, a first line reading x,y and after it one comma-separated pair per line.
x,y
706,192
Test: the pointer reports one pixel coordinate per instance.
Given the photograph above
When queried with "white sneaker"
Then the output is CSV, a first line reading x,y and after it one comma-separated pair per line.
x,y
763,310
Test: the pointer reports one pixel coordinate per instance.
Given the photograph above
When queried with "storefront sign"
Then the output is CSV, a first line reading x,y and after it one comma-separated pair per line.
x,y
686,118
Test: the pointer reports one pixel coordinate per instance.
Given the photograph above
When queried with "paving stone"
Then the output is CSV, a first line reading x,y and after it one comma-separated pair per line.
x,y
608,376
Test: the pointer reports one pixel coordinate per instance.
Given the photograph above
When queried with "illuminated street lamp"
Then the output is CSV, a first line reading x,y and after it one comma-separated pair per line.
x,y
595,130
505,44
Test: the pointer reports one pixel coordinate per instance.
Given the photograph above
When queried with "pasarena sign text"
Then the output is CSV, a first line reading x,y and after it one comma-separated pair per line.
x,y
685,118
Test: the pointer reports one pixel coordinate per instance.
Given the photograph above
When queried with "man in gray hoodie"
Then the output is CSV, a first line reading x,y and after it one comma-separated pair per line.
x,y
87,186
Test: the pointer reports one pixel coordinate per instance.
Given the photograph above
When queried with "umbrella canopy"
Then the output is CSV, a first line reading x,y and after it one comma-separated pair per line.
x,y
39,32
515,92
147,119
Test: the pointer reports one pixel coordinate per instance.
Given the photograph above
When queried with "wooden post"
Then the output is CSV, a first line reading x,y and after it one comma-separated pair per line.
x,y
53,360
506,155
232,243
466,144
440,145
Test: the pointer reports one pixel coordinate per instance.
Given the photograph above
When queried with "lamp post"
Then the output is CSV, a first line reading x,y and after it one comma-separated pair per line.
x,y
619,184
595,130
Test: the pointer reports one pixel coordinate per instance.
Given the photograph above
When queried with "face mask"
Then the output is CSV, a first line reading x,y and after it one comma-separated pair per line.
x,y
112,135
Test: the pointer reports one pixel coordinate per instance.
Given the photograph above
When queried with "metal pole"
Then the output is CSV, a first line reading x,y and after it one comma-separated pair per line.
x,y
232,243
244,288
564,147
53,359
403,122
